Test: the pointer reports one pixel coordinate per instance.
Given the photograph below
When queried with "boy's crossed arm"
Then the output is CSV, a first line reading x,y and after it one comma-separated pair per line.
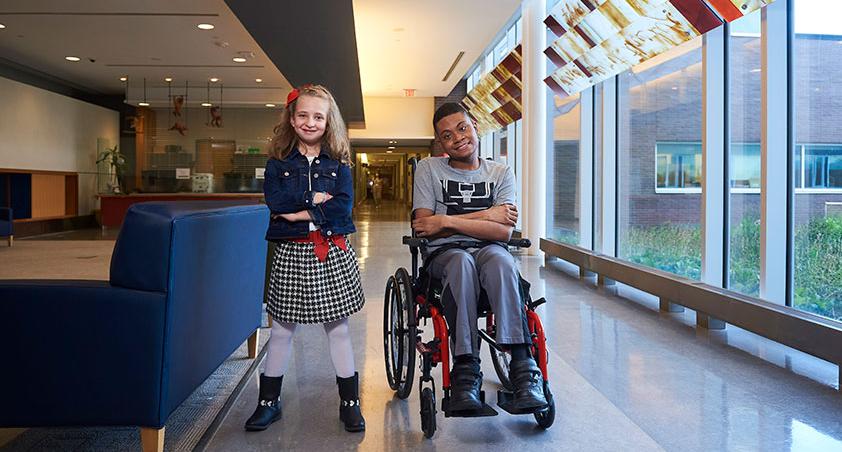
x,y
495,223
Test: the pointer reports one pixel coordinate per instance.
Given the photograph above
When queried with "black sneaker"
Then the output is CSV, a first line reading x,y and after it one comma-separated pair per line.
x,y
465,384
528,382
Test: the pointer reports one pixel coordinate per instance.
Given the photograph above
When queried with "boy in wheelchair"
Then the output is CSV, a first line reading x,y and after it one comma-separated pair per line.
x,y
459,199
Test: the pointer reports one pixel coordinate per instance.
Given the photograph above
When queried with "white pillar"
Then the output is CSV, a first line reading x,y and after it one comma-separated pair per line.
x,y
774,151
714,142
586,163
607,224
533,178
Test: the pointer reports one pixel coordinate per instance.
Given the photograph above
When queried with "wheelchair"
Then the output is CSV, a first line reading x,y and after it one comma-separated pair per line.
x,y
411,299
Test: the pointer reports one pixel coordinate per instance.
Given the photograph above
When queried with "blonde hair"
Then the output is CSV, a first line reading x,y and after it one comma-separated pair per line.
x,y
335,137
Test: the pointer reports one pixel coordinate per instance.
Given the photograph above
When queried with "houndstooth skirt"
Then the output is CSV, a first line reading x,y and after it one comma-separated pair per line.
x,y
303,289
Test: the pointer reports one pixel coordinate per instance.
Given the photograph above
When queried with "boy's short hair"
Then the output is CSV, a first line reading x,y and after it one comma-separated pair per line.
x,y
447,109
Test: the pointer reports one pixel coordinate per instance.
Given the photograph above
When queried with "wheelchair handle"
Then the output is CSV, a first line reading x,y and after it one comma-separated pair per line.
x,y
414,242
520,243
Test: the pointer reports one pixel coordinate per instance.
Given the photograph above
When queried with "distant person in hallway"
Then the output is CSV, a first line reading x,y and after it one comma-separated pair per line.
x,y
314,276
377,189
464,198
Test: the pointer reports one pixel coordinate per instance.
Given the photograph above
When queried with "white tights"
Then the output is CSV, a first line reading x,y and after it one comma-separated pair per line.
x,y
280,348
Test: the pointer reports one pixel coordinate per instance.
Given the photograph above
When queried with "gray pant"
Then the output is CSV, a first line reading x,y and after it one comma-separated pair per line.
x,y
463,273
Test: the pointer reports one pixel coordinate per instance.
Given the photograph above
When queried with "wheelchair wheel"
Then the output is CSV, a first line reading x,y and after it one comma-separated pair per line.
x,y
428,412
546,418
389,338
403,332
501,361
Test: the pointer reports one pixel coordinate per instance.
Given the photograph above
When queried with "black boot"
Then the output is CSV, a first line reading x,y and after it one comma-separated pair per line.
x,y
528,382
269,407
465,384
349,406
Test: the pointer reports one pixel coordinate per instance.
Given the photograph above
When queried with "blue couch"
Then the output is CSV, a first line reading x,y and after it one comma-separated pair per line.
x,y
7,227
185,291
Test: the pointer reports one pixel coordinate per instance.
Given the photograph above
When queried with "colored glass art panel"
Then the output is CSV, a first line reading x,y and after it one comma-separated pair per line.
x,y
600,39
731,10
494,102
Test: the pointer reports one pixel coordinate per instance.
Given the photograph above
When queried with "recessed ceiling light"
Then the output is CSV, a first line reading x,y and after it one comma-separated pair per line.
x,y
206,104
205,26
167,79
258,80
143,104
270,105
2,26
389,152
214,79
72,58
123,79
391,147
675,88
239,60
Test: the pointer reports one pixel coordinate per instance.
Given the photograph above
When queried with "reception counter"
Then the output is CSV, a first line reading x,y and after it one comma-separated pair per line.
x,y
114,207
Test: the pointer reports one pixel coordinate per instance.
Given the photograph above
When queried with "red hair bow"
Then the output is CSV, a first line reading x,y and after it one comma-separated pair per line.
x,y
295,93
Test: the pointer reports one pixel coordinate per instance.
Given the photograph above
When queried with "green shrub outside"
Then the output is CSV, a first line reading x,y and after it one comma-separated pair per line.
x,y
745,257
818,267
676,248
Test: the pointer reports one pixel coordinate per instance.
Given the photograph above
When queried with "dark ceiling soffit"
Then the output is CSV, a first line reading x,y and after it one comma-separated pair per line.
x,y
26,75
309,42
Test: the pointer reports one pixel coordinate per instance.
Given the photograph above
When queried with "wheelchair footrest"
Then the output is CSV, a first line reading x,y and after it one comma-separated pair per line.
x,y
486,409
506,401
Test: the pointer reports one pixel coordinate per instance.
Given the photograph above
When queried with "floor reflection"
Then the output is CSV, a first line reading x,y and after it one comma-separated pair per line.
x,y
625,376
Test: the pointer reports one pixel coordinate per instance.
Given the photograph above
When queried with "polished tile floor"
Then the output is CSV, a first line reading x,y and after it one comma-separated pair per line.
x,y
625,378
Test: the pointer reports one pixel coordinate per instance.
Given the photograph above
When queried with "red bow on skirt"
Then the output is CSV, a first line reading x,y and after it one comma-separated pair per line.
x,y
321,243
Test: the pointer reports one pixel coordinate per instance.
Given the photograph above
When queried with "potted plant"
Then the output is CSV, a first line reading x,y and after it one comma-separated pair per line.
x,y
115,161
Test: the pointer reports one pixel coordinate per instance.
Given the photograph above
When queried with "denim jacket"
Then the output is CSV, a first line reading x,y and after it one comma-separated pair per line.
x,y
289,187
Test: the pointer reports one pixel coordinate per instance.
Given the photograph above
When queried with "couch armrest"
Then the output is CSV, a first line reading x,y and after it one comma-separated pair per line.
x,y
6,222
80,353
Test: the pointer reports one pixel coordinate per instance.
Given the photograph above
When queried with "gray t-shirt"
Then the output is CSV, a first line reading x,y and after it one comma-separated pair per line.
x,y
449,191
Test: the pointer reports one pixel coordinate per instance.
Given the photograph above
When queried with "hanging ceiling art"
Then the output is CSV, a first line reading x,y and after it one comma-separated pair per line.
x,y
495,101
598,39
178,104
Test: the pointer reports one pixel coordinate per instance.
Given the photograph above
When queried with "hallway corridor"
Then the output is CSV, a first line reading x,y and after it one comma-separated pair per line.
x,y
624,377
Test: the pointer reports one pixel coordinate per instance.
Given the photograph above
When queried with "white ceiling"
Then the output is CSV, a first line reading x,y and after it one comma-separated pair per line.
x,y
411,44
401,44
140,45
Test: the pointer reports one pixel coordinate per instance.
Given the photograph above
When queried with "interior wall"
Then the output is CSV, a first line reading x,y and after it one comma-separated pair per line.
x,y
42,130
397,117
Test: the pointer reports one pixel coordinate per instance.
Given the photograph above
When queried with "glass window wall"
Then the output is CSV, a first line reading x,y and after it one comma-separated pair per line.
x,y
660,128
202,152
744,154
566,204
817,165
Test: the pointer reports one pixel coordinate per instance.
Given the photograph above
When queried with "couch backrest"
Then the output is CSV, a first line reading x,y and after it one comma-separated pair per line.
x,y
141,258
210,258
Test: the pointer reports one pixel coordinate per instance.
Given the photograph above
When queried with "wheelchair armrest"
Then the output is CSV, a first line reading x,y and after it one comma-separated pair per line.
x,y
414,242
520,243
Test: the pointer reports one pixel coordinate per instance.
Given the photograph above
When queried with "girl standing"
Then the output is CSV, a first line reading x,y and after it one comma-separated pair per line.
x,y
314,276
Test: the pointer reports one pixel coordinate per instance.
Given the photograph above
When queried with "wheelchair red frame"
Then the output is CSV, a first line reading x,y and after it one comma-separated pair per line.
x,y
406,304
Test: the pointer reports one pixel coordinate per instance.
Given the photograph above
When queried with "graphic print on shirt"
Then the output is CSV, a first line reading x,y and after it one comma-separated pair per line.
x,y
465,197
